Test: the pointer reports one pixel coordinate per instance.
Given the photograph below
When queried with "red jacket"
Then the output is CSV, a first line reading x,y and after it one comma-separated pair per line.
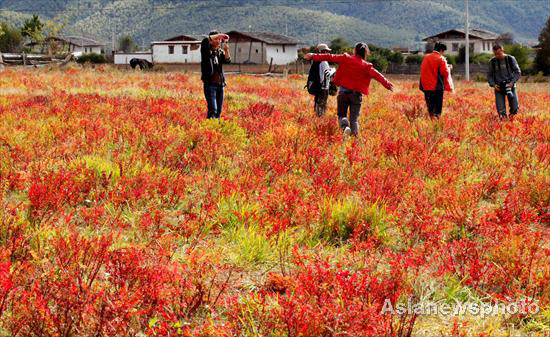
x,y
354,73
434,73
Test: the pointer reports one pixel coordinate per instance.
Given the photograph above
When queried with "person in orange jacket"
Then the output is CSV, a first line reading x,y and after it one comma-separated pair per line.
x,y
435,78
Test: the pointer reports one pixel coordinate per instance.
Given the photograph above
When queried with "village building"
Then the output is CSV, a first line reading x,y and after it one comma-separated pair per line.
x,y
178,49
481,41
245,48
262,48
77,45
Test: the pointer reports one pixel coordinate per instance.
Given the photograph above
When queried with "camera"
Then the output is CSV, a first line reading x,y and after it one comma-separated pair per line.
x,y
504,88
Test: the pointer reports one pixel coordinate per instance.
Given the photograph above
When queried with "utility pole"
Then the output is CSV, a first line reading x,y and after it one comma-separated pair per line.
x,y
113,35
467,50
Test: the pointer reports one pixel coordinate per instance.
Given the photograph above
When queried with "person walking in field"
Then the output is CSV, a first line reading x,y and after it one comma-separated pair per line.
x,y
503,74
435,79
353,76
214,53
318,81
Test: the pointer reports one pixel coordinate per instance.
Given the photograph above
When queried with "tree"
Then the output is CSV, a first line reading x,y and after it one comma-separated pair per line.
x,y
542,60
520,53
413,59
379,62
505,38
126,44
10,39
340,45
32,27
51,30
396,57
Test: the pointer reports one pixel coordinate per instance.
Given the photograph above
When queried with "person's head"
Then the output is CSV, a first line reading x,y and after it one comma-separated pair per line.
x,y
362,50
214,42
498,50
323,48
440,47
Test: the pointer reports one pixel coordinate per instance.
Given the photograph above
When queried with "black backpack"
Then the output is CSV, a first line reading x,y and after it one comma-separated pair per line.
x,y
314,79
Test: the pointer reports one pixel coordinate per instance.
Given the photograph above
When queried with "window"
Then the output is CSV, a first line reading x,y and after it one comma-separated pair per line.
x,y
170,49
455,46
277,50
257,51
240,50
284,49
184,49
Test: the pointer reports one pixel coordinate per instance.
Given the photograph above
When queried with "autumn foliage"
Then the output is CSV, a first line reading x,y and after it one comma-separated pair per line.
x,y
123,212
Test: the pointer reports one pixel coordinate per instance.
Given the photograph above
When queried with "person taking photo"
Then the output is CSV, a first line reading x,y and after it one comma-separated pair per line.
x,y
214,53
502,75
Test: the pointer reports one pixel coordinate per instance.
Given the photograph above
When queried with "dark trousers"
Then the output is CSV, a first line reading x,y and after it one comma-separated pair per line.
x,y
321,102
434,101
513,102
349,101
214,99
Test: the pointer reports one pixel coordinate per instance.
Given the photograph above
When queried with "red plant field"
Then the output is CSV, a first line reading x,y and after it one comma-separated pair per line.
x,y
125,213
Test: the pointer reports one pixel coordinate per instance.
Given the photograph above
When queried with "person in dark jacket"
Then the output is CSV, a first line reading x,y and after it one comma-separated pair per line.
x,y
503,74
353,76
214,53
435,79
321,98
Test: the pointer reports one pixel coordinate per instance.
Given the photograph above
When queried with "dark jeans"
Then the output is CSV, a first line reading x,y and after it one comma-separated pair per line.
x,y
434,101
321,103
513,102
214,98
349,101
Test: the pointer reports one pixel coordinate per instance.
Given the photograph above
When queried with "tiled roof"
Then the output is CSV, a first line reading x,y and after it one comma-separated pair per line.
x,y
269,38
474,33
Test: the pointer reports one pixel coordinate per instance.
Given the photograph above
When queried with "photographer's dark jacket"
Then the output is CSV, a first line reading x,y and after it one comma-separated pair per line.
x,y
506,70
212,63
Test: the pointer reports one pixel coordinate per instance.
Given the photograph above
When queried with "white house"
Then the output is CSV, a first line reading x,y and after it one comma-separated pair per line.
x,y
481,41
83,45
77,45
245,47
262,47
179,49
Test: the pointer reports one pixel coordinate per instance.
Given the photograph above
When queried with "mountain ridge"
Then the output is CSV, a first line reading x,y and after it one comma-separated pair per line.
x,y
386,23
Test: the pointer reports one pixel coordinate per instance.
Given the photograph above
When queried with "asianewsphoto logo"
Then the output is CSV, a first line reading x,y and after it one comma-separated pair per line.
x,y
522,307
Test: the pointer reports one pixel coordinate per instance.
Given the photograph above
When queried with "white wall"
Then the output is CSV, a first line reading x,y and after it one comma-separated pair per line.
x,y
86,50
262,53
161,53
289,55
124,58
479,46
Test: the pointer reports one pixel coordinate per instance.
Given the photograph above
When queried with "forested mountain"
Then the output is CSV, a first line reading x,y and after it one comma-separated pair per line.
x,y
383,22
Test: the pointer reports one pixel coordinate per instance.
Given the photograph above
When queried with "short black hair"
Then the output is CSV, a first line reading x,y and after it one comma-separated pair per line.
x,y
440,46
214,32
497,47
361,49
